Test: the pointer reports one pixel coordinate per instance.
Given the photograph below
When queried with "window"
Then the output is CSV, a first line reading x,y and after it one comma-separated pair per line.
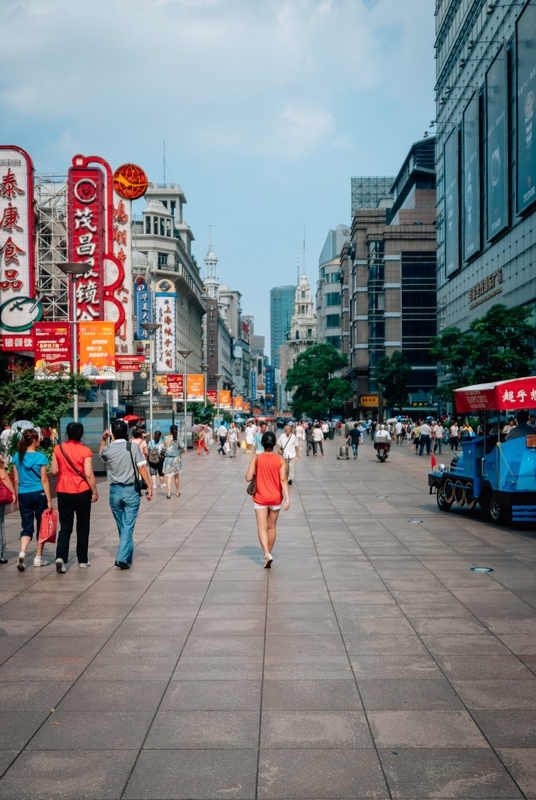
x,y
155,226
303,295
173,205
323,272
302,309
162,228
333,321
162,259
309,332
147,224
377,329
333,299
333,277
376,301
297,334
168,227
335,341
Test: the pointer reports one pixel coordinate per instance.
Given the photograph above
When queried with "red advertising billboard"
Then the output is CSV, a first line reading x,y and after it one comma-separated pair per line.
x,y
212,396
128,363
86,238
175,384
52,348
238,403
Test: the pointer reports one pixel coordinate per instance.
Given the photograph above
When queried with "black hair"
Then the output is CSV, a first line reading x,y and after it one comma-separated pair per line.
x,y
174,431
157,434
522,417
27,438
120,429
137,433
355,424
75,431
268,440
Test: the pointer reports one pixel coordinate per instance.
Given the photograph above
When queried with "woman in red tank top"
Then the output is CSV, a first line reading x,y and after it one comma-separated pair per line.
x,y
270,471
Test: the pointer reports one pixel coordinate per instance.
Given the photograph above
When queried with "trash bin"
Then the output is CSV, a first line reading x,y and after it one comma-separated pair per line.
x,y
342,451
331,433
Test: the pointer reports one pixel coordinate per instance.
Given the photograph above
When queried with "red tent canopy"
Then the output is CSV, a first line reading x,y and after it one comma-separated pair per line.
x,y
514,395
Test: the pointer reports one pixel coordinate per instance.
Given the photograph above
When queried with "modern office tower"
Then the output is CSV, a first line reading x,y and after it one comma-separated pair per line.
x,y
328,292
388,282
281,310
485,157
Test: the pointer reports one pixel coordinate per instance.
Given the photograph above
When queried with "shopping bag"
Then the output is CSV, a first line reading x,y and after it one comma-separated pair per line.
x,y
243,445
49,526
227,447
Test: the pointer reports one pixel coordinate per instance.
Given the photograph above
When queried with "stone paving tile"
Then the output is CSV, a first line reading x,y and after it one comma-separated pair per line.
x,y
198,674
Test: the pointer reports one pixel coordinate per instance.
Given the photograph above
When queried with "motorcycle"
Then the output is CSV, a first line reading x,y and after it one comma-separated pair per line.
x,y
382,450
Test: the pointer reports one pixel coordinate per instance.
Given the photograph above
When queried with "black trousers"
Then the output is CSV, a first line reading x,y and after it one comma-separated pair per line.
x,y
68,506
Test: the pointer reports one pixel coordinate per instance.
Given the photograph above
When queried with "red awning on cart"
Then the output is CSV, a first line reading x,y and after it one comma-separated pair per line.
x,y
513,395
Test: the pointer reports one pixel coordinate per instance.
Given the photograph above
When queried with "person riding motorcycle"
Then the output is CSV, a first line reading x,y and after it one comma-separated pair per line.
x,y
383,438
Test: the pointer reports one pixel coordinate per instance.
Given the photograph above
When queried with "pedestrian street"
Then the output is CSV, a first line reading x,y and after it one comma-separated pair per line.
x,y
368,662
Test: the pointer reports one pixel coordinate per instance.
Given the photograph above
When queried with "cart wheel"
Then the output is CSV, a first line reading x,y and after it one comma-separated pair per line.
x,y
470,501
444,503
459,493
497,512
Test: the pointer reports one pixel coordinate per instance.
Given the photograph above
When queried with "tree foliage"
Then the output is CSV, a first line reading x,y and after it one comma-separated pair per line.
x,y
316,392
203,415
43,402
392,374
497,347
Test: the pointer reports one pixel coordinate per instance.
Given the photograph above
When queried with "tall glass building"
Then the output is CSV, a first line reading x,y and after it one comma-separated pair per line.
x,y
281,310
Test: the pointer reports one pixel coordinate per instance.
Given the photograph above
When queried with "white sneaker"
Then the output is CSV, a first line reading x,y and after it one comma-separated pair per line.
x,y
39,561
60,565
21,563
268,558
84,565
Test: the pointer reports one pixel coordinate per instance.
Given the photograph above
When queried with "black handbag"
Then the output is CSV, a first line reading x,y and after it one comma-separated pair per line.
x,y
139,484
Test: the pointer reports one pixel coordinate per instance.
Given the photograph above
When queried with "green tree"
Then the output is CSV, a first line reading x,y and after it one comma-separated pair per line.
x,y
497,347
43,402
392,374
316,392
203,415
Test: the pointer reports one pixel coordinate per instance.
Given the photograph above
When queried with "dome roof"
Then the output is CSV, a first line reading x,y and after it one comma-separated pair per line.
x,y
156,207
211,255
139,260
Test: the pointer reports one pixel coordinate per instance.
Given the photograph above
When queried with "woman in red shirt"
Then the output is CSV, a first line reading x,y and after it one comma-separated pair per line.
x,y
270,471
76,490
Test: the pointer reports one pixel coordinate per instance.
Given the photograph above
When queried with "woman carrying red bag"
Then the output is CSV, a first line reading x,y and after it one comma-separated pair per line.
x,y
6,489
33,493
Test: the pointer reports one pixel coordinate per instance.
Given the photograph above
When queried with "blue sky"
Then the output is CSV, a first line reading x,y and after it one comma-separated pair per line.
x,y
268,107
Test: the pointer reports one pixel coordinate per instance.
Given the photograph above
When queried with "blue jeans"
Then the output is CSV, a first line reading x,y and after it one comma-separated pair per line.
x,y
31,505
354,448
124,503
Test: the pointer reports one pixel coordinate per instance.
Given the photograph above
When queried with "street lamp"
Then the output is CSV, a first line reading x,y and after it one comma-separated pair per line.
x,y
217,375
73,269
151,328
185,354
204,368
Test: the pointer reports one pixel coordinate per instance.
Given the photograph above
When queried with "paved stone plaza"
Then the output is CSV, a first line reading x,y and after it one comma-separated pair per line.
x,y
369,662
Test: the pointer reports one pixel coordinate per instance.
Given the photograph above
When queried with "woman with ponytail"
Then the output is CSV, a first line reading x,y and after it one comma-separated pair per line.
x,y
33,492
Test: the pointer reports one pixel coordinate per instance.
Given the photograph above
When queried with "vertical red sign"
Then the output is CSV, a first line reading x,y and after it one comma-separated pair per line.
x,y
52,349
86,238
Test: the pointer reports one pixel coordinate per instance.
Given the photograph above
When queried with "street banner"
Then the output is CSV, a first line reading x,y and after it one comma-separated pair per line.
x,y
128,363
212,395
52,349
225,398
238,403
97,349
175,385
166,335
195,388
247,407
86,239
18,307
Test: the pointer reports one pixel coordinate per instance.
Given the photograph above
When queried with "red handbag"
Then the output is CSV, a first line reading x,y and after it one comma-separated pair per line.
x,y
49,526
5,495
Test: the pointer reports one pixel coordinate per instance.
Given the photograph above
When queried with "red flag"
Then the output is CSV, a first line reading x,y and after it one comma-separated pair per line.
x,y
432,458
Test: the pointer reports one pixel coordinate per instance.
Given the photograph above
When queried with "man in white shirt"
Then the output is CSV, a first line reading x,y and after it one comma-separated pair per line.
x,y
289,449
438,432
425,439
399,430
234,439
223,435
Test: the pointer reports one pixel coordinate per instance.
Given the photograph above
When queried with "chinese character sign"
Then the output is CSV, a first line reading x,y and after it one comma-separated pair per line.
x,y
143,308
211,322
195,388
18,308
166,335
253,379
97,349
52,346
122,250
86,238
269,380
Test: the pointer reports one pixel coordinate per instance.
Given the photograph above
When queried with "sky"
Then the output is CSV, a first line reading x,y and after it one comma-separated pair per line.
x,y
267,108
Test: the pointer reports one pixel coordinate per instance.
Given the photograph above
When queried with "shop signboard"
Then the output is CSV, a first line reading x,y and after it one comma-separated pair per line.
x,y
471,179
269,373
452,241
526,97
225,398
143,308
166,335
128,363
97,349
212,396
195,388
52,349
175,385
19,309
496,147
86,238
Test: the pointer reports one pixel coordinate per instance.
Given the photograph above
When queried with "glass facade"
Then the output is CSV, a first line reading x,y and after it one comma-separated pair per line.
x,y
281,309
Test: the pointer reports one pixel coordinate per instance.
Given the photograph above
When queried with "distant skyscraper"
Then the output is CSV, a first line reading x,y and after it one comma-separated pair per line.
x,y
281,310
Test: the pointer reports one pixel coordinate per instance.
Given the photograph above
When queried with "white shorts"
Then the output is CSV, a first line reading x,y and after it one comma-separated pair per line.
x,y
272,508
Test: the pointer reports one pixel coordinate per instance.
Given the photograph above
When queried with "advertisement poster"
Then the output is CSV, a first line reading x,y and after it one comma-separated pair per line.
x,y
212,396
128,363
143,308
195,388
526,89
496,147
253,381
97,349
247,407
18,307
52,349
471,179
225,398
175,385
166,335
238,403
452,240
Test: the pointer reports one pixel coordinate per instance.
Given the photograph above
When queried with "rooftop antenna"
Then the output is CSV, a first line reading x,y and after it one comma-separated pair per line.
x,y
304,249
164,162
298,267
210,237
